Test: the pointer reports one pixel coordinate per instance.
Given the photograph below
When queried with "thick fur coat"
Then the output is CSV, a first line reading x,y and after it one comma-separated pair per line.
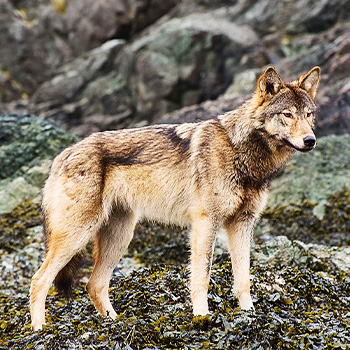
x,y
208,175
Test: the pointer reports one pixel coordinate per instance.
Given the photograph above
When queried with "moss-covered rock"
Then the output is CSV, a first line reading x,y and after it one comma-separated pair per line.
x,y
26,139
27,146
314,176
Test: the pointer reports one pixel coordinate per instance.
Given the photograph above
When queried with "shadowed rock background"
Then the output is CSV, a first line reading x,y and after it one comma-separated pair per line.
x,y
94,65
69,68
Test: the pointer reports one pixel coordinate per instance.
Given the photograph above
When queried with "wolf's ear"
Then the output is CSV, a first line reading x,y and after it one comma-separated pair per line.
x,y
269,83
309,81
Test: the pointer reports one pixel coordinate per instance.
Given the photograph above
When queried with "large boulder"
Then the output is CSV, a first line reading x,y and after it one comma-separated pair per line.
x,y
175,54
316,175
60,98
182,61
293,17
37,37
330,50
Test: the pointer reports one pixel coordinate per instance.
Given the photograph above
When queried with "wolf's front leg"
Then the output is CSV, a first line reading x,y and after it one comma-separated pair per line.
x,y
240,230
202,245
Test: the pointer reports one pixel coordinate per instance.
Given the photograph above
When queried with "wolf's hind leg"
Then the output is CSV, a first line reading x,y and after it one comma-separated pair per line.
x,y
61,250
111,242
202,245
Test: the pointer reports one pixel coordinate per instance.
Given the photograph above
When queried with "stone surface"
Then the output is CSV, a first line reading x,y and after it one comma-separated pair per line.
x,y
181,62
281,251
37,37
315,175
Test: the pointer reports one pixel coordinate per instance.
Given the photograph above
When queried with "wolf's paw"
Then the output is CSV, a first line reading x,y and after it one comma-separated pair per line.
x,y
200,310
37,326
245,302
111,314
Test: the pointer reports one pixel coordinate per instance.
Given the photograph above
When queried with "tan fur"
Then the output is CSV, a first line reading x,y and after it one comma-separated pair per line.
x,y
209,175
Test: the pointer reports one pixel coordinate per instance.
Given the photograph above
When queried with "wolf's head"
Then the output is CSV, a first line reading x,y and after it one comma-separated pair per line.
x,y
288,109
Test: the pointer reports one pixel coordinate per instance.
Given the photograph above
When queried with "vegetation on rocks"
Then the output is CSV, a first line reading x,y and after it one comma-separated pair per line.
x,y
26,140
295,308
27,146
14,225
326,223
301,298
156,243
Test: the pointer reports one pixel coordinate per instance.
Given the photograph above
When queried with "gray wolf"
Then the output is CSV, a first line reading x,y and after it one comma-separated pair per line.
x,y
211,174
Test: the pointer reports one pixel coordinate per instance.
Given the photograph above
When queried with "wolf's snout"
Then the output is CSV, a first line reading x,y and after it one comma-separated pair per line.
x,y
309,141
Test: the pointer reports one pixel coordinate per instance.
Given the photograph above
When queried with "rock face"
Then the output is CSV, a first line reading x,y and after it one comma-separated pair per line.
x,y
168,55
316,175
37,37
181,62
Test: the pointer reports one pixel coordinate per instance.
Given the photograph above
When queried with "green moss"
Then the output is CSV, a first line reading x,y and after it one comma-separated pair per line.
x,y
14,225
301,221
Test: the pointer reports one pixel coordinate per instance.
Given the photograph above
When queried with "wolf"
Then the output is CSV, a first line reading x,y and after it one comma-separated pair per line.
x,y
208,175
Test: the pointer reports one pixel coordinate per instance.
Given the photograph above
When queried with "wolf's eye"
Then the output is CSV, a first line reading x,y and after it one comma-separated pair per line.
x,y
288,115
308,115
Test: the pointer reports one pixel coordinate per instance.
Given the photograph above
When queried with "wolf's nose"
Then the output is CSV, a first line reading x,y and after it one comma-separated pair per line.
x,y
309,141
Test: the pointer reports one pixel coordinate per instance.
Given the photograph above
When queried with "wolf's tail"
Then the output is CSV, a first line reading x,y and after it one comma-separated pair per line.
x,y
65,279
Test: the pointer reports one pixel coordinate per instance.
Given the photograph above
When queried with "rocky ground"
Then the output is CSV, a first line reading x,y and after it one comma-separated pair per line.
x,y
90,65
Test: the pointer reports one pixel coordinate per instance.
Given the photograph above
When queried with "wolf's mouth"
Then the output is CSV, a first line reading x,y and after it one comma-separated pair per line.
x,y
303,150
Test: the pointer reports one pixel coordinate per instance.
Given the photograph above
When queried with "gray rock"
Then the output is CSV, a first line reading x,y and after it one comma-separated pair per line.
x,y
295,17
59,98
204,110
180,62
30,51
190,55
280,251
16,189
37,37
244,83
330,50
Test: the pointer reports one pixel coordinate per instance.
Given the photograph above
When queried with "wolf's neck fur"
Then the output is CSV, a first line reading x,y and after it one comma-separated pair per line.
x,y
241,122
259,152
